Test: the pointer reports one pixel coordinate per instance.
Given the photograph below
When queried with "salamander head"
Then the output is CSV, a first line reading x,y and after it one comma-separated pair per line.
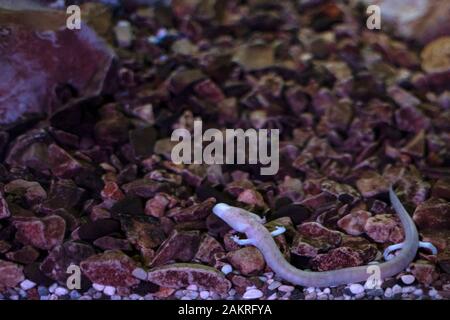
x,y
238,219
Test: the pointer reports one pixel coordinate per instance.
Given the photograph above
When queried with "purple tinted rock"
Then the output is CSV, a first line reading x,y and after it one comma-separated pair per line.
x,y
144,188
63,193
208,247
424,271
367,250
384,228
43,233
30,150
111,268
411,119
37,76
143,235
31,190
248,260
111,243
338,258
10,274
316,230
181,275
180,245
61,257
434,213
24,255
195,212
354,222
4,209
372,184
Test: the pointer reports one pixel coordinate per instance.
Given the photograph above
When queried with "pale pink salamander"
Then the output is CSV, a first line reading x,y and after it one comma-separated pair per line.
x,y
252,225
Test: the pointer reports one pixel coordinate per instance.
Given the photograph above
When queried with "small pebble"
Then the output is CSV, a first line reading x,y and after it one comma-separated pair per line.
x,y
116,297
327,290
109,291
60,291
192,294
52,288
432,293
396,289
252,294
226,269
311,296
204,294
388,293
192,287
408,289
43,291
285,288
356,288
418,292
74,295
27,284
140,274
408,279
98,287
310,289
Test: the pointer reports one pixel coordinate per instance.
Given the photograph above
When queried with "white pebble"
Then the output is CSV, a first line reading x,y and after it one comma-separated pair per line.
x,y
232,292
109,291
388,293
27,284
135,296
192,287
204,294
356,288
311,296
98,287
274,285
432,293
252,294
310,289
408,279
192,294
418,292
60,291
285,288
408,289
52,288
140,274
327,291
226,269
396,289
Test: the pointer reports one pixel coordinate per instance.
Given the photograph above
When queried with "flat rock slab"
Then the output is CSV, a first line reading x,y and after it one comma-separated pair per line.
x,y
181,275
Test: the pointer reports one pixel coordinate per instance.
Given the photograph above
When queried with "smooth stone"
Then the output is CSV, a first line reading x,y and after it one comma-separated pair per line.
x,y
252,294
356,288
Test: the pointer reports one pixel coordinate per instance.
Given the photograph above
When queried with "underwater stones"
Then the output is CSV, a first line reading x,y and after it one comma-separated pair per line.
x,y
112,268
354,222
433,213
384,228
43,233
248,260
10,274
180,275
